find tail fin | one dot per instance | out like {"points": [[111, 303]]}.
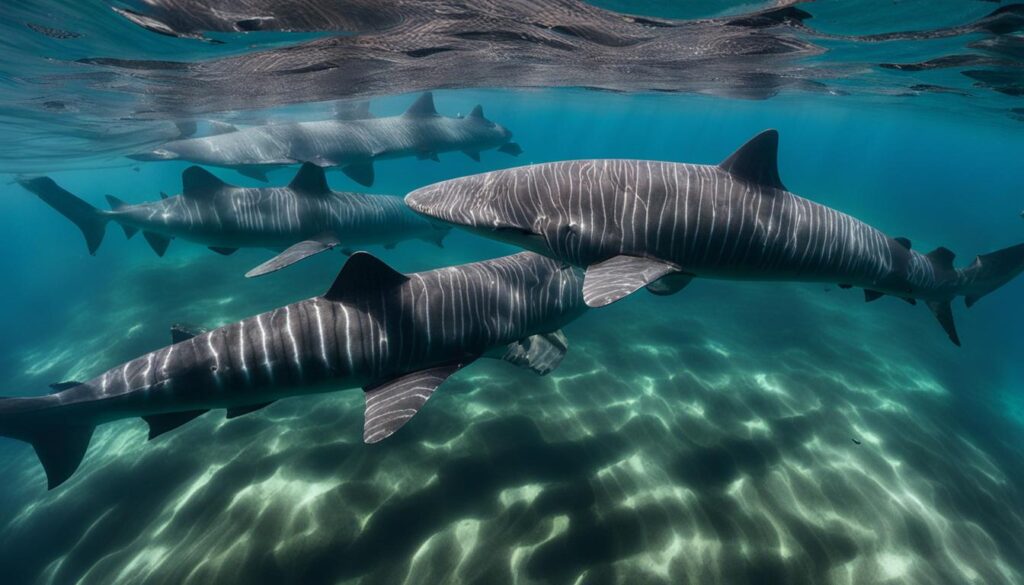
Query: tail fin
{"points": [[991, 271], [90, 220], [60, 447]]}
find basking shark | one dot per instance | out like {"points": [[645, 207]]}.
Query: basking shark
{"points": [[304, 218], [351, 144], [634, 223], [396, 336]]}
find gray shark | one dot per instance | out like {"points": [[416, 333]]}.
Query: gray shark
{"points": [[351, 144], [634, 223], [304, 218], [396, 336]]}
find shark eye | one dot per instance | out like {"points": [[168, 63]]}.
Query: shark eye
{"points": [[570, 229]]}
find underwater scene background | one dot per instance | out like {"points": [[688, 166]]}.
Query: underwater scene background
{"points": [[736, 432]]}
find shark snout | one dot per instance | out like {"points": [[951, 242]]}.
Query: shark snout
{"points": [[459, 202], [427, 201]]}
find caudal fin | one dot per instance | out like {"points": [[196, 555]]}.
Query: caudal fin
{"points": [[991, 271], [59, 446], [90, 220]]}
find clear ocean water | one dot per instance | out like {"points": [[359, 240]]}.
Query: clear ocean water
{"points": [[736, 432]]}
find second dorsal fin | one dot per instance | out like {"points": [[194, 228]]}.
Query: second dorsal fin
{"points": [[183, 332], [363, 272], [423, 106], [942, 258], [310, 179], [757, 161], [199, 182]]}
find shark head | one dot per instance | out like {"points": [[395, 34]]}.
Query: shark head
{"points": [[487, 205], [155, 155]]}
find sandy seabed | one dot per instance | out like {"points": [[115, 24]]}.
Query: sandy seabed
{"points": [[734, 433]]}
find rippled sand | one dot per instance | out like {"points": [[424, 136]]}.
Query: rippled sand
{"points": [[703, 438]]}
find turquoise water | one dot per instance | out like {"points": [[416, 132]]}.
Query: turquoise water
{"points": [[706, 437]]}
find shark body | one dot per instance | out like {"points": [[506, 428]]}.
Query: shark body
{"points": [[396, 336], [350, 144], [634, 223], [303, 218]]}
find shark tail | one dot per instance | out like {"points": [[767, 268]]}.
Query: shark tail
{"points": [[987, 273], [59, 445], [991, 271], [92, 221]]}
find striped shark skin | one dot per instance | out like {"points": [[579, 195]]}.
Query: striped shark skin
{"points": [[351, 144], [396, 336], [303, 218], [634, 224]]}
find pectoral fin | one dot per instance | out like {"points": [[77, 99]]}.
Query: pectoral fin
{"points": [[944, 313], [391, 404], [162, 423], [240, 410], [297, 252], [872, 295], [670, 284], [511, 149], [619, 276], [253, 173], [540, 353], [360, 173], [158, 242]]}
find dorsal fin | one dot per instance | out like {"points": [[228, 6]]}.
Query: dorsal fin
{"points": [[217, 127], [757, 161], [477, 112], [62, 386], [423, 106], [199, 182], [182, 332], [904, 242], [942, 258], [310, 179], [363, 272]]}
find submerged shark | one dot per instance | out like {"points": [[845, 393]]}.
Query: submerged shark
{"points": [[634, 223], [304, 218], [396, 336], [351, 144]]}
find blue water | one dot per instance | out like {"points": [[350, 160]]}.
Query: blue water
{"points": [[704, 437]]}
